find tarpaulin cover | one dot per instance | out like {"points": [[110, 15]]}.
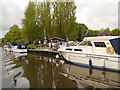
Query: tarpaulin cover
{"points": [[116, 45], [22, 46]]}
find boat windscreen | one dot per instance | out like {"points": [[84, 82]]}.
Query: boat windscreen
{"points": [[116, 45]]}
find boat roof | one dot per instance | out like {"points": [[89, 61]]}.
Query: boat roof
{"points": [[100, 38]]}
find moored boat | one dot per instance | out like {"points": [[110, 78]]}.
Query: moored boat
{"points": [[100, 52], [8, 48], [21, 48]]}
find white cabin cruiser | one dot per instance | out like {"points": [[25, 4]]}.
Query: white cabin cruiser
{"points": [[8, 48], [21, 48], [102, 52]]}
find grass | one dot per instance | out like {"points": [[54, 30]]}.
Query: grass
{"points": [[39, 47]]}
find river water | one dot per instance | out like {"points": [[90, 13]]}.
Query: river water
{"points": [[43, 70]]}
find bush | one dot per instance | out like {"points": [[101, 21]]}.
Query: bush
{"points": [[36, 42], [30, 47]]}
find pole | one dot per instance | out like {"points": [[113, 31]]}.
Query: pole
{"points": [[45, 38]]}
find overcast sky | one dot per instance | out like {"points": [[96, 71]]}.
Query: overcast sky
{"points": [[96, 14]]}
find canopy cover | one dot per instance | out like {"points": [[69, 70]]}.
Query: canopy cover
{"points": [[22, 46], [116, 45]]}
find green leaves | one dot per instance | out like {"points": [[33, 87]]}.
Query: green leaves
{"points": [[64, 19], [23, 41], [13, 35], [115, 32], [29, 23], [56, 18]]}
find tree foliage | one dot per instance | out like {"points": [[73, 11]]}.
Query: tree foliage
{"points": [[81, 30], [23, 41], [56, 18], [115, 32], [1, 42], [13, 35], [92, 33], [29, 22]]}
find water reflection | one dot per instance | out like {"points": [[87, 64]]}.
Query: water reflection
{"points": [[21, 56], [13, 71], [45, 71], [91, 77]]}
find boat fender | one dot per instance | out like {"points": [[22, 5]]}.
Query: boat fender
{"points": [[90, 63], [57, 56], [110, 49]]}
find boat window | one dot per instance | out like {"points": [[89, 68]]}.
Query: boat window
{"points": [[68, 49], [77, 49], [86, 43], [22, 46], [99, 44]]}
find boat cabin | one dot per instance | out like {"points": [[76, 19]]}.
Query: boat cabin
{"points": [[98, 45], [21, 46]]}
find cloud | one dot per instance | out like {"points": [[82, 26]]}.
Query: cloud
{"points": [[11, 14], [97, 14]]}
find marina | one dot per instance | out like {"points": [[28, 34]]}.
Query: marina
{"points": [[94, 52], [60, 44]]}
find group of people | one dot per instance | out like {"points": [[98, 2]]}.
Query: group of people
{"points": [[50, 43]]}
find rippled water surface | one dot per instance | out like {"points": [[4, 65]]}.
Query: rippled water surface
{"points": [[43, 70]]}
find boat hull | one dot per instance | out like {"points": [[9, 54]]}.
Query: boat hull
{"points": [[93, 61], [20, 50]]}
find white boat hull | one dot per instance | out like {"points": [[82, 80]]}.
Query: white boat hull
{"points": [[97, 61], [20, 50]]}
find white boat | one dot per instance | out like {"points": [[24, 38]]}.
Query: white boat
{"points": [[8, 48], [20, 48], [100, 52], [5, 47]]}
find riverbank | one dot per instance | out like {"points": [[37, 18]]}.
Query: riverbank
{"points": [[43, 50]]}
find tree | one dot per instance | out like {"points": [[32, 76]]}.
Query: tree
{"points": [[69, 21], [23, 41], [92, 33], [105, 32], [47, 18], [64, 19], [115, 32], [13, 35], [81, 30], [0, 42], [29, 23], [58, 18]]}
